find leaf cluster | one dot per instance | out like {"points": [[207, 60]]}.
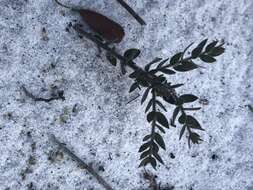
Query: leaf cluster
{"points": [[153, 78]]}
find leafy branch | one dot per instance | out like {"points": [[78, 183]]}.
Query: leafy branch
{"points": [[153, 79]]}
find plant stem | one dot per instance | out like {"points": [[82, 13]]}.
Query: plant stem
{"points": [[131, 11], [154, 120], [38, 99], [100, 180]]}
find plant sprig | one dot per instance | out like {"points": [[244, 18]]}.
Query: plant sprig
{"points": [[153, 79]]}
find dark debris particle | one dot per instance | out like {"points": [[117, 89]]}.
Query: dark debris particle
{"points": [[101, 168], [172, 156], [169, 187], [214, 157], [28, 134]]}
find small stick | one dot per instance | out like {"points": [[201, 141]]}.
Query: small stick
{"points": [[133, 99], [38, 99], [100, 180], [131, 11]]}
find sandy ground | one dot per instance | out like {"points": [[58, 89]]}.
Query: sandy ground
{"points": [[95, 120]]}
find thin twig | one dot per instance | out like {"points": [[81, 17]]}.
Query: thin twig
{"points": [[131, 11], [100, 180], [59, 96], [133, 99]]}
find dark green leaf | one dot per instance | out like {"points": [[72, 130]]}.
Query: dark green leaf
{"points": [[146, 137], [186, 66], [197, 51], [182, 132], [186, 49], [153, 71], [132, 54], [187, 98], [145, 95], [133, 87], [162, 63], [193, 123], [144, 146], [147, 67], [160, 128], [195, 138], [111, 59], [158, 157], [153, 162], [217, 51], [161, 105], [210, 46], [182, 119], [207, 58], [176, 58], [168, 71], [145, 154], [145, 162], [123, 67], [155, 147], [176, 85], [149, 105], [159, 140], [175, 113], [162, 119], [151, 116]]}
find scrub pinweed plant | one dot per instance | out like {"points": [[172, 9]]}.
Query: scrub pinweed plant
{"points": [[153, 79]]}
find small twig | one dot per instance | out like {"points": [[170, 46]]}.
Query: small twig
{"points": [[133, 99], [131, 11], [100, 180], [59, 96]]}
